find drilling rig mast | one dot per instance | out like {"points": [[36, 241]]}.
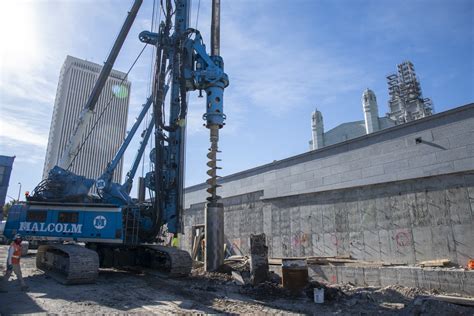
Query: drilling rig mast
{"points": [[118, 230]]}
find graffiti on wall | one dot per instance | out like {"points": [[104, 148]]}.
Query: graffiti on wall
{"points": [[300, 240], [403, 238]]}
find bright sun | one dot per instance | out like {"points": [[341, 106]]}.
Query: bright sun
{"points": [[20, 46]]}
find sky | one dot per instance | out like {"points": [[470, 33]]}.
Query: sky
{"points": [[283, 58]]}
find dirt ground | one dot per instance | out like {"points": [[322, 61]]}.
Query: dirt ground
{"points": [[152, 293]]}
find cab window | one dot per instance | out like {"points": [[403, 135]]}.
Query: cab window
{"points": [[68, 217], [36, 216]]}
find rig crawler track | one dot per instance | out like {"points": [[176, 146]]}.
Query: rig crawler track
{"points": [[74, 264], [68, 264], [176, 263]]}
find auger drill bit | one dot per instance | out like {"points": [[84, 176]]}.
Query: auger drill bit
{"points": [[212, 164], [214, 211]]}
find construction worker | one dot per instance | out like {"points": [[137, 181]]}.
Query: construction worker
{"points": [[13, 262]]}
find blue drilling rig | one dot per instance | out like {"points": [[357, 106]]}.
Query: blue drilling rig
{"points": [[117, 230]]}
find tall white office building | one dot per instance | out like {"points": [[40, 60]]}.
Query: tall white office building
{"points": [[76, 80]]}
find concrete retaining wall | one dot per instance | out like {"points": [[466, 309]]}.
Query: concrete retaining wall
{"points": [[393, 154], [399, 222]]}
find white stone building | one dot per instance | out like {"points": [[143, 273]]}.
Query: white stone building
{"points": [[406, 104], [371, 123]]}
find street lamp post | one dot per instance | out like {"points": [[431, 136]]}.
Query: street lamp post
{"points": [[19, 190]]}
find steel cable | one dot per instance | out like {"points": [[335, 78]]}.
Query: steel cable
{"points": [[105, 109]]}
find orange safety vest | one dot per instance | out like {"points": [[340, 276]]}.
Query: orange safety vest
{"points": [[16, 253]]}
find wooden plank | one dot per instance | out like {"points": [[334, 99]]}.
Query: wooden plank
{"points": [[435, 263], [289, 258], [454, 299], [236, 258], [388, 264], [351, 262], [333, 260], [274, 261], [329, 257], [237, 276], [195, 247]]}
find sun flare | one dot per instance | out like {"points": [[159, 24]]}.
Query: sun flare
{"points": [[20, 46]]}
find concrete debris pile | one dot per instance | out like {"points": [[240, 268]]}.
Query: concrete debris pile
{"points": [[422, 306], [212, 277], [331, 293], [394, 299], [129, 292], [266, 291], [389, 295], [289, 280], [238, 263]]}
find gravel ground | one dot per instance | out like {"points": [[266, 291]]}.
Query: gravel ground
{"points": [[119, 292]]}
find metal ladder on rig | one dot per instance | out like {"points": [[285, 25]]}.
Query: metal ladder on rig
{"points": [[132, 226]]}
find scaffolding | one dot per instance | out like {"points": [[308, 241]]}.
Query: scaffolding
{"points": [[406, 101]]}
